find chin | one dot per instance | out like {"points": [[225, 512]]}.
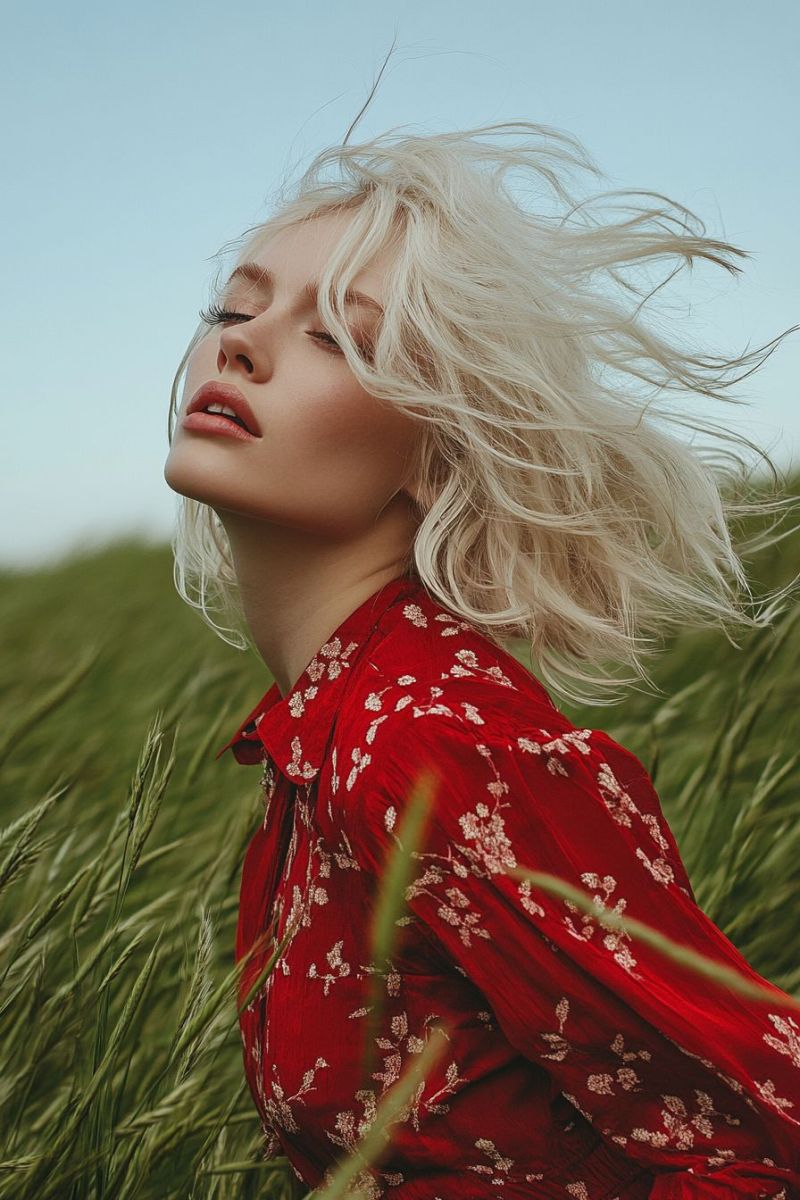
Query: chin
{"points": [[189, 479]]}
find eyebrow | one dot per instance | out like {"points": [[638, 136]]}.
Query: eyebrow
{"points": [[263, 278]]}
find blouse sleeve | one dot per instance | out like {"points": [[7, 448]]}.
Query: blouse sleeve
{"points": [[696, 1082]]}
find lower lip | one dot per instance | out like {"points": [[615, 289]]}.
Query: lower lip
{"points": [[203, 422]]}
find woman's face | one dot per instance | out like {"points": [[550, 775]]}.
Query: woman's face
{"points": [[329, 455]]}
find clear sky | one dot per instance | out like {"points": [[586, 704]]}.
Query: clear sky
{"points": [[139, 139]]}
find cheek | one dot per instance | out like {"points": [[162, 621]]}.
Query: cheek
{"points": [[344, 433]]}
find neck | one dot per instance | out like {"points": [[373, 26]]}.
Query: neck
{"points": [[297, 587]]}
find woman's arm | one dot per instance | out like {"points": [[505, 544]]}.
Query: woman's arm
{"points": [[694, 1081]]}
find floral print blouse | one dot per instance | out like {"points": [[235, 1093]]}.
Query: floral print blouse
{"points": [[580, 1063]]}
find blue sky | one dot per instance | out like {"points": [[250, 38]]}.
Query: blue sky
{"points": [[145, 137]]}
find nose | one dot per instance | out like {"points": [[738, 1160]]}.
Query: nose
{"points": [[244, 350], [223, 358]]}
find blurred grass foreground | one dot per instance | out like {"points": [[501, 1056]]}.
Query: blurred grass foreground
{"points": [[121, 843]]}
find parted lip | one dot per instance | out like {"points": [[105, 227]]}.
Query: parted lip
{"points": [[224, 393]]}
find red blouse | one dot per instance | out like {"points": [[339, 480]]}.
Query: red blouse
{"points": [[580, 1063]]}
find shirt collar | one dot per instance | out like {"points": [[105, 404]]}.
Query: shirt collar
{"points": [[295, 729]]}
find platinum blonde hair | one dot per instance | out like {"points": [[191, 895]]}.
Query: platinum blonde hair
{"points": [[557, 505]]}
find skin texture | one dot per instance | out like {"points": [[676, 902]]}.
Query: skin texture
{"points": [[319, 510]]}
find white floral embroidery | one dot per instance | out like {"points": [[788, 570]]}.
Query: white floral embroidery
{"points": [[278, 1107], [414, 614], [618, 1046], [767, 1092], [373, 727], [607, 1085], [294, 768], [296, 701], [267, 1123], [351, 1128], [651, 821], [613, 939], [468, 664], [361, 760], [365, 1185], [434, 708], [452, 625], [334, 780], [455, 911], [467, 923], [578, 1189], [343, 856], [300, 912], [499, 1163], [659, 868], [492, 850], [617, 800], [269, 779], [681, 1126], [391, 978], [621, 806], [526, 901], [339, 968], [721, 1158], [563, 744], [336, 660], [472, 714], [557, 1041], [787, 1026], [303, 805]]}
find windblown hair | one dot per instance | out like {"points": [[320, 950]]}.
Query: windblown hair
{"points": [[556, 504]]}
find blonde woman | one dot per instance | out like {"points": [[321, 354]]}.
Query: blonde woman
{"points": [[420, 418]]}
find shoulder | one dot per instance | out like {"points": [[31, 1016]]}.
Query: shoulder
{"points": [[430, 643], [430, 667], [504, 765], [436, 686]]}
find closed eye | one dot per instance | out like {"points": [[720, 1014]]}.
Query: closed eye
{"points": [[215, 315], [322, 336]]}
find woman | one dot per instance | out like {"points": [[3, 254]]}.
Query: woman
{"points": [[431, 435]]}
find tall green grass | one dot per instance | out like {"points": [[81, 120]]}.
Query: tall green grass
{"points": [[121, 843]]}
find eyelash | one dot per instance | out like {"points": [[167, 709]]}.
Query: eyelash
{"points": [[216, 315]]}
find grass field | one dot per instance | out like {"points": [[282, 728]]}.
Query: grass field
{"points": [[122, 842]]}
